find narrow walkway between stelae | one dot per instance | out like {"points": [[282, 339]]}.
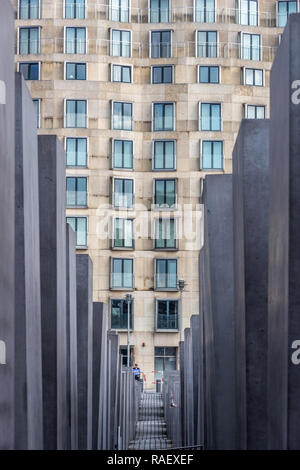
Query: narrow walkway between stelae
{"points": [[151, 430]]}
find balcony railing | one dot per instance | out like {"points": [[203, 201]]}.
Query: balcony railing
{"points": [[166, 282], [167, 323], [98, 11]]}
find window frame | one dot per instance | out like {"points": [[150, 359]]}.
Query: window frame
{"points": [[164, 103], [200, 116], [24, 19], [253, 69], [166, 330], [277, 12], [159, 208], [209, 67], [239, 14], [131, 314], [162, 66], [171, 31], [112, 258], [246, 106], [204, 22], [75, 79], [75, 17], [132, 115], [39, 40], [119, 20], [38, 62], [38, 100], [112, 165], [65, 40], [165, 289], [207, 44], [111, 42], [160, 22], [80, 247], [242, 34], [77, 206], [175, 221], [113, 238], [153, 155], [87, 151], [120, 65], [201, 155], [86, 115], [112, 192]]}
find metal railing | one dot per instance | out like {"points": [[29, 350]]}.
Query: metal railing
{"points": [[58, 9], [167, 323], [143, 50]]}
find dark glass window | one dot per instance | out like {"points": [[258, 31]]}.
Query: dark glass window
{"points": [[121, 73], [29, 70], [165, 193], [75, 71], [167, 315], [79, 225], [76, 191], [162, 74], [76, 150], [209, 74]]}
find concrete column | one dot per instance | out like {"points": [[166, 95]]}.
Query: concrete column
{"points": [[218, 301], [284, 246], [52, 197], [28, 353], [251, 224], [197, 358], [114, 346], [99, 363], [7, 198], [72, 339], [84, 269]]}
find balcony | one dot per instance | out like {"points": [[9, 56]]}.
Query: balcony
{"points": [[97, 11], [167, 323]]}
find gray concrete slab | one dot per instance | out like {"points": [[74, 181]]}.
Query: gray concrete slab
{"points": [[219, 327], [7, 190], [84, 269], [284, 246], [99, 363], [28, 353], [113, 354], [72, 339], [52, 195], [250, 204], [197, 364]]}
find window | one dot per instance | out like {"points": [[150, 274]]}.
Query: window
{"points": [[30, 70], [209, 74], [119, 316], [79, 225], [76, 113], [166, 274], [165, 359], [162, 74], [121, 73], [120, 43], [37, 106], [122, 273], [164, 155], [161, 45], [75, 71], [205, 11], [167, 315], [250, 46], [284, 10], [122, 193], [248, 12], [123, 352], [254, 77], [255, 112], [122, 153], [165, 234], [75, 9], [76, 151], [119, 10], [212, 155], [122, 116], [29, 41], [207, 44], [165, 194], [159, 11], [29, 9], [123, 233], [163, 117], [75, 41], [76, 192], [210, 117]]}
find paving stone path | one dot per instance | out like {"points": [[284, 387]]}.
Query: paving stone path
{"points": [[151, 431]]}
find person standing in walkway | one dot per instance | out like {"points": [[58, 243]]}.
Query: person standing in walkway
{"points": [[137, 372]]}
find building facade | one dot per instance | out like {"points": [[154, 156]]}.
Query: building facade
{"points": [[147, 97]]}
